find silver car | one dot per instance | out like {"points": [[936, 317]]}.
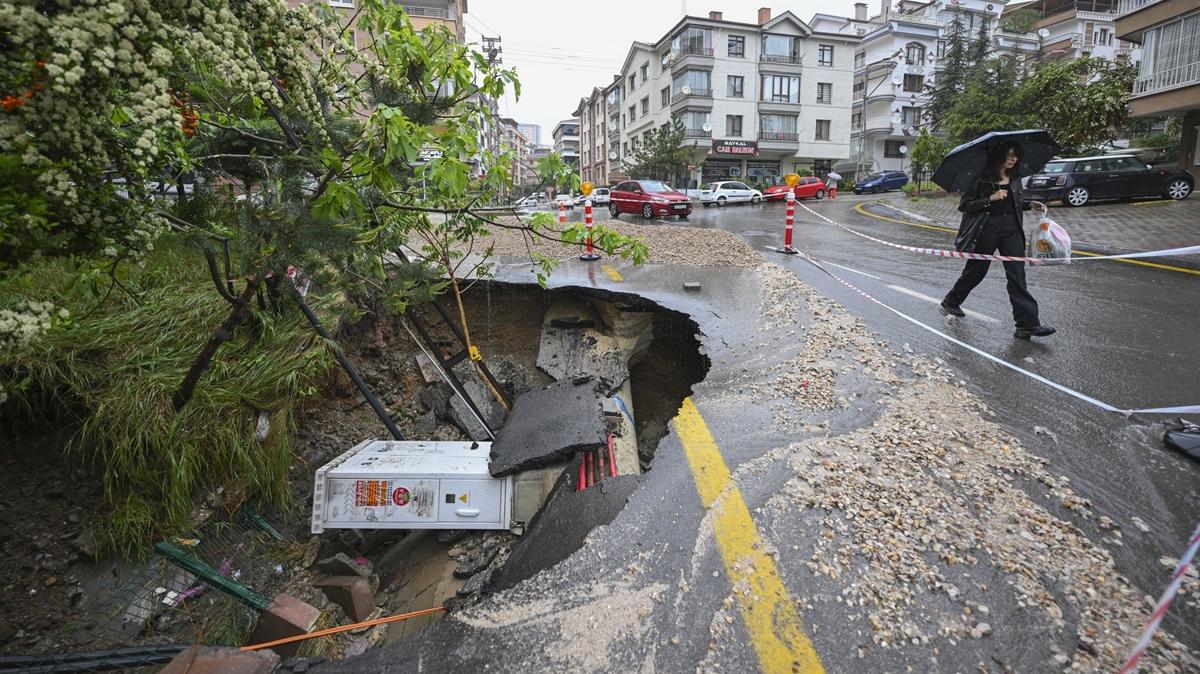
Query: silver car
{"points": [[729, 192]]}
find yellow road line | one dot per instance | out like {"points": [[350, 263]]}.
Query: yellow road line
{"points": [[769, 613], [1141, 263], [612, 272]]}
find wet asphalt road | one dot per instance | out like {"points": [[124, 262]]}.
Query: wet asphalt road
{"points": [[651, 587]]}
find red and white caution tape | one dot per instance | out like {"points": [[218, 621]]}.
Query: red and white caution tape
{"points": [[1184, 409], [941, 252], [1164, 603]]}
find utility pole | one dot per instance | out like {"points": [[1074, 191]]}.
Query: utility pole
{"points": [[491, 47]]}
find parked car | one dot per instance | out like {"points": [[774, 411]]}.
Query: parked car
{"points": [[809, 187], [565, 199], [729, 192], [884, 181], [599, 197], [1082, 180], [533, 199], [648, 197]]}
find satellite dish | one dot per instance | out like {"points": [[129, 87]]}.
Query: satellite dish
{"points": [[706, 127], [686, 91], [897, 80], [1044, 33], [613, 155], [896, 118], [903, 149]]}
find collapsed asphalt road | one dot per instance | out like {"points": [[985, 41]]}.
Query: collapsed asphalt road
{"points": [[831, 501]]}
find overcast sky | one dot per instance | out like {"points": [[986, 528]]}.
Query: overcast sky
{"points": [[562, 49]]}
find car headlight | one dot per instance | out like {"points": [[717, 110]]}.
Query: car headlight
{"points": [[1060, 181], [660, 200]]}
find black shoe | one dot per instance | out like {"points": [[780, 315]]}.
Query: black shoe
{"points": [[951, 310], [1034, 331]]}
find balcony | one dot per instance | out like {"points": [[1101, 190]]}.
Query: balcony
{"points": [[879, 124], [694, 49], [1130, 6], [1173, 78], [779, 136], [442, 13], [779, 104], [694, 98], [696, 133], [692, 56], [779, 58], [1136, 16]]}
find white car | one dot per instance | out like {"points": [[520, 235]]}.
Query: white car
{"points": [[533, 200], [729, 192], [564, 199], [599, 197]]}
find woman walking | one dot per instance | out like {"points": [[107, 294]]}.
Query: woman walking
{"points": [[992, 221]]}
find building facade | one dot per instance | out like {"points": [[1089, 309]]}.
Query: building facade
{"points": [[522, 173], [1079, 28], [566, 140], [532, 132], [757, 100], [1168, 81], [594, 137]]}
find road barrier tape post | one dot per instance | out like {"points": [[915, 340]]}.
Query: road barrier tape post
{"points": [[590, 255], [562, 214], [1164, 603], [791, 179]]}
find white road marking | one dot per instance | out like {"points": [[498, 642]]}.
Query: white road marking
{"points": [[831, 264], [927, 298]]}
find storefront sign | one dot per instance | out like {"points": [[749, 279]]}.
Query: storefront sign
{"points": [[735, 147]]}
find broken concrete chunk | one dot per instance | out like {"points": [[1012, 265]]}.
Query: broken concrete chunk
{"points": [[428, 370], [461, 413], [691, 286], [569, 348], [549, 425], [342, 565], [218, 660], [352, 593], [285, 616], [478, 560], [633, 330]]}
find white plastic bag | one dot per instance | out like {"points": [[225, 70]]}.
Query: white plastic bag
{"points": [[1049, 241]]}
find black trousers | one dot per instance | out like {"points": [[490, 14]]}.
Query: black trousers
{"points": [[1009, 241]]}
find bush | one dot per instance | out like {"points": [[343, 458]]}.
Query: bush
{"points": [[913, 188], [116, 366]]}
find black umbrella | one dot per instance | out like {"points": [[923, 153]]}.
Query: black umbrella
{"points": [[963, 165]]}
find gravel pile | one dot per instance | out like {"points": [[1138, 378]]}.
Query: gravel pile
{"points": [[668, 244]]}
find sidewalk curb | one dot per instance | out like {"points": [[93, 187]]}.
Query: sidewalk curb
{"points": [[1181, 262]]}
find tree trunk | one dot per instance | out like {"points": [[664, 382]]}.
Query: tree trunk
{"points": [[241, 307]]}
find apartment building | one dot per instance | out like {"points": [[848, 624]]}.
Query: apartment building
{"points": [[1168, 81], [523, 172], [448, 13], [593, 116], [896, 63], [757, 100], [1079, 28], [532, 133], [566, 140]]}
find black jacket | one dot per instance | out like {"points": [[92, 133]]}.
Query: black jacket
{"points": [[976, 206]]}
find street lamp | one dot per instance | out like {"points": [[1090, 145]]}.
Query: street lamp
{"points": [[862, 132]]}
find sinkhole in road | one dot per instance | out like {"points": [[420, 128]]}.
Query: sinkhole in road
{"points": [[663, 352]]}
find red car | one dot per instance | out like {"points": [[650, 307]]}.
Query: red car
{"points": [[809, 187], [648, 197]]}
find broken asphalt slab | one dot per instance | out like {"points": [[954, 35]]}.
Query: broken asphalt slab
{"points": [[548, 425]]}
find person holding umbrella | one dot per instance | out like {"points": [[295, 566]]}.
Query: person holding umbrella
{"points": [[992, 217]]}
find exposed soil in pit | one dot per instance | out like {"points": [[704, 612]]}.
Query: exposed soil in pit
{"points": [[45, 554]]}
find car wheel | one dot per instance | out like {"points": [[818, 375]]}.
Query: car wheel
{"points": [[612, 210], [755, 199], [705, 204], [1179, 189], [720, 202], [1077, 196], [647, 211], [820, 194]]}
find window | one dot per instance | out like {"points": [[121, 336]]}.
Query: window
{"points": [[856, 120], [860, 59], [693, 123], [698, 83], [666, 96], [825, 55], [859, 87], [780, 89], [779, 48], [342, 3], [941, 48], [891, 149], [824, 92], [822, 129], [733, 126], [632, 112], [914, 83], [692, 40], [645, 106], [632, 82], [737, 46], [912, 116], [1124, 164], [914, 53], [646, 72], [624, 148], [777, 127], [1089, 166], [822, 166], [737, 86]]}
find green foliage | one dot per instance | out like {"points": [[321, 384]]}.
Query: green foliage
{"points": [[912, 189], [991, 101], [662, 155], [927, 152], [1082, 102], [952, 78], [116, 365], [1023, 20]]}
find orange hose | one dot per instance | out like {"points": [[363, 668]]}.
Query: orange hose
{"points": [[342, 628]]}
